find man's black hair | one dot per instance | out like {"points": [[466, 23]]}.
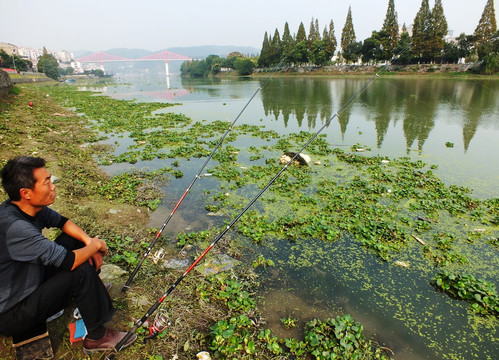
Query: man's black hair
{"points": [[18, 174]]}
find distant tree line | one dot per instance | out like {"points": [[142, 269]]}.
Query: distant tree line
{"points": [[426, 45], [215, 64]]}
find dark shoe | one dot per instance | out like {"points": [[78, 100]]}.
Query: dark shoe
{"points": [[37, 348], [108, 342]]}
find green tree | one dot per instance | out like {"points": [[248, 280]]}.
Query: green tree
{"points": [[299, 55], [487, 25], [438, 29], [464, 45], [348, 35], [313, 34], [244, 66], [66, 71], [421, 31], [353, 52], [301, 35], [450, 53], [275, 52], [14, 62], [402, 52], [391, 29], [48, 65], [318, 54], [287, 43], [372, 48], [330, 40], [231, 58], [196, 68], [263, 60], [214, 63], [488, 53]]}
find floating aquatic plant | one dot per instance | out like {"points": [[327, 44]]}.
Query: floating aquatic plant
{"points": [[481, 294]]}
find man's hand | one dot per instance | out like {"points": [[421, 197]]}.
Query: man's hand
{"points": [[96, 260], [102, 245], [91, 252]]}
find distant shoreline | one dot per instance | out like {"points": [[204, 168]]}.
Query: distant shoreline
{"points": [[438, 70]]}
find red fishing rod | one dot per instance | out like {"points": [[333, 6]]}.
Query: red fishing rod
{"points": [[156, 305], [196, 177]]}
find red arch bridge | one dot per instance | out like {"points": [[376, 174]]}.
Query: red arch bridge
{"points": [[165, 56]]}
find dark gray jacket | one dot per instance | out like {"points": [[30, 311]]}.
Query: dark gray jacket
{"points": [[25, 252]]}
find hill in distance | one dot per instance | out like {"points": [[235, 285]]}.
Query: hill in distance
{"points": [[201, 52], [196, 52]]}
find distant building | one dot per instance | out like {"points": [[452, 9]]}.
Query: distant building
{"points": [[77, 66], [65, 56], [449, 38], [62, 56]]}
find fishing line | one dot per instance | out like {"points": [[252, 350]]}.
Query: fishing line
{"points": [[155, 306], [158, 303], [198, 175]]}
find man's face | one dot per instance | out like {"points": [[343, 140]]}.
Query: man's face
{"points": [[43, 193]]}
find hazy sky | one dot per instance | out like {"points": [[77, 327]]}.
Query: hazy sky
{"points": [[98, 25]]}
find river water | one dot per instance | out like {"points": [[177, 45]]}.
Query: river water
{"points": [[450, 123]]}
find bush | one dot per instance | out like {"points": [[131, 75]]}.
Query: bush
{"points": [[490, 64], [244, 66]]}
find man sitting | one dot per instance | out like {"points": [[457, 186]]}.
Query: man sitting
{"points": [[40, 277]]}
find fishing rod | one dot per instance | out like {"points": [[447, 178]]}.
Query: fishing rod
{"points": [[198, 175], [158, 303]]}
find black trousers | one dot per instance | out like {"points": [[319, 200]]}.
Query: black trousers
{"points": [[83, 285]]}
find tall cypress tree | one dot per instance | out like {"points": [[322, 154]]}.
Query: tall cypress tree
{"points": [[487, 25], [300, 51], [301, 35], [330, 40], [438, 31], [275, 48], [390, 29], [421, 32], [348, 33], [313, 34], [263, 60], [287, 42]]}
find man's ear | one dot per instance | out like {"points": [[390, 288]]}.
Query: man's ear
{"points": [[25, 193]]}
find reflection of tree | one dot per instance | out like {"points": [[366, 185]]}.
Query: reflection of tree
{"points": [[382, 100], [479, 98], [202, 85], [415, 101], [304, 98], [347, 91], [420, 111]]}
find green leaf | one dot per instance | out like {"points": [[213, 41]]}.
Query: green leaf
{"points": [[250, 348]]}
